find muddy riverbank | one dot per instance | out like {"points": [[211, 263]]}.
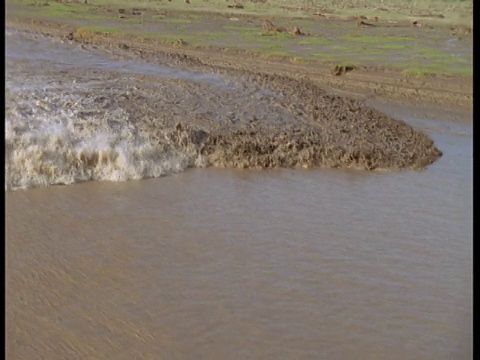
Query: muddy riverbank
{"points": [[171, 105], [377, 81]]}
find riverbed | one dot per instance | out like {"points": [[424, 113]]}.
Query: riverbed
{"points": [[204, 262]]}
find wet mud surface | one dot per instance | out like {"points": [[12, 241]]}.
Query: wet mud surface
{"points": [[211, 117], [372, 79]]}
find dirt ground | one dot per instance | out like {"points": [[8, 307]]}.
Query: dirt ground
{"points": [[379, 78]]}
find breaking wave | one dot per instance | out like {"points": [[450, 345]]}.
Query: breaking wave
{"points": [[49, 141]]}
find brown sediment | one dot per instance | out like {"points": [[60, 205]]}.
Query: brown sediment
{"points": [[321, 131], [236, 6], [269, 27], [342, 69], [296, 31], [361, 23], [461, 30], [339, 133], [282, 121]]}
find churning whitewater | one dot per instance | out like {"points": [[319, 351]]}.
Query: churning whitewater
{"points": [[52, 138]]}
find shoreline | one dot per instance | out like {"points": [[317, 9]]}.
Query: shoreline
{"points": [[442, 94], [273, 116]]}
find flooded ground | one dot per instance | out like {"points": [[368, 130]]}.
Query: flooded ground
{"points": [[229, 263], [235, 264], [86, 116]]}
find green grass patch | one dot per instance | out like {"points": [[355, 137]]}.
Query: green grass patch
{"points": [[423, 50], [304, 22], [272, 47], [210, 35], [300, 60], [263, 38], [274, 54], [281, 53], [452, 11], [326, 57], [101, 29], [164, 37], [193, 17], [278, 36], [461, 72], [348, 64], [393, 47], [315, 40], [255, 37], [61, 11], [238, 28], [428, 52], [377, 39], [177, 20], [418, 72]]}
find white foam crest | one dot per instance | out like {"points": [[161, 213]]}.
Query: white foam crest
{"points": [[34, 161], [47, 145]]}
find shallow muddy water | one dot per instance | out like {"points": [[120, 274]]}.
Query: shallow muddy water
{"points": [[35, 48], [235, 264]]}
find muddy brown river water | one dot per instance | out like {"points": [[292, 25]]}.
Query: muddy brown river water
{"points": [[210, 263]]}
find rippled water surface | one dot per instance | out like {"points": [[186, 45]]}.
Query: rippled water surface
{"points": [[231, 264]]}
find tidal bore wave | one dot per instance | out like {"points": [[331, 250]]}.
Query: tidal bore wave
{"points": [[75, 122], [47, 142]]}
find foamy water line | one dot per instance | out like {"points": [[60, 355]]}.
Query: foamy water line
{"points": [[47, 142], [54, 134]]}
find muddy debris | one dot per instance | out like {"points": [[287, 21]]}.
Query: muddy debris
{"points": [[82, 35], [357, 17], [319, 14], [180, 43], [362, 23], [323, 131], [269, 27], [461, 30], [339, 70], [236, 6], [296, 31], [433, 16]]}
